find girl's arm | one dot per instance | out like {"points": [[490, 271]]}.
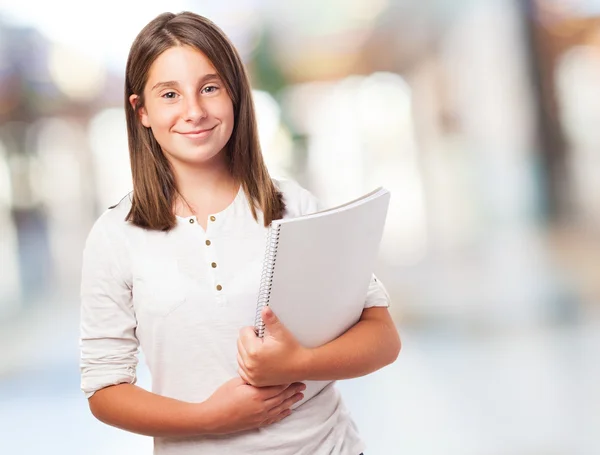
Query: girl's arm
{"points": [[134, 409], [235, 406], [369, 345], [109, 348]]}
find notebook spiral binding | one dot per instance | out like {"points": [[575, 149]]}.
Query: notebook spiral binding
{"points": [[266, 278]]}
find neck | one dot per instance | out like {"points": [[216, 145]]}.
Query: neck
{"points": [[201, 187]]}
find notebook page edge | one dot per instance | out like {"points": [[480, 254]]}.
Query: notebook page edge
{"points": [[378, 192]]}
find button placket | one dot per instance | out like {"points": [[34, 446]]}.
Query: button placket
{"points": [[213, 263]]}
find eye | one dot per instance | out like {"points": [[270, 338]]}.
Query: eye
{"points": [[169, 95], [210, 89]]}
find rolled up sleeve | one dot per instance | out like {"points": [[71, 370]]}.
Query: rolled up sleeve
{"points": [[377, 294], [108, 344]]}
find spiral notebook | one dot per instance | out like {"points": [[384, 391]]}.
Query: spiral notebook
{"points": [[317, 269]]}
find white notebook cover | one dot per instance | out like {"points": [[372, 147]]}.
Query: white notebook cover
{"points": [[323, 268]]}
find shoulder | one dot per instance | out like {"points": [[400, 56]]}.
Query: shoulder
{"points": [[298, 200], [111, 223], [107, 248]]}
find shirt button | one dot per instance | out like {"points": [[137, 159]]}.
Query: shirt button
{"points": [[212, 218], [214, 265], [191, 221], [219, 287], [207, 243]]}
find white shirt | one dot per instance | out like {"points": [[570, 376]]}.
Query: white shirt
{"points": [[182, 297]]}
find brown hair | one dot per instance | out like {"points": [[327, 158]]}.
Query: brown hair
{"points": [[154, 185]]}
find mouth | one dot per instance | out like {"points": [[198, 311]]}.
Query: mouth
{"points": [[198, 134]]}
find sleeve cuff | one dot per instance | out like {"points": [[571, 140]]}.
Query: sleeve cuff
{"points": [[90, 385], [377, 295]]}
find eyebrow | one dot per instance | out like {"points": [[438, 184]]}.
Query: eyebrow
{"points": [[171, 84]]}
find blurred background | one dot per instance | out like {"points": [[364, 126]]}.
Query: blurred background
{"points": [[480, 116]]}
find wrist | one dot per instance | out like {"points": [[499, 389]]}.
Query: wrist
{"points": [[305, 363], [204, 418]]}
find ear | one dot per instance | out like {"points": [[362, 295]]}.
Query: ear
{"points": [[142, 113]]}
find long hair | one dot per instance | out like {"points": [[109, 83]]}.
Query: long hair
{"points": [[154, 185]]}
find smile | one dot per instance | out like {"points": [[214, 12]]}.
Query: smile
{"points": [[198, 134]]}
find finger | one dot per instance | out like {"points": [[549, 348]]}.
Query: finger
{"points": [[272, 391], [244, 369], [272, 324], [242, 348], [286, 404], [240, 361], [248, 336], [281, 397], [298, 384], [243, 375], [282, 415], [296, 387], [248, 343]]}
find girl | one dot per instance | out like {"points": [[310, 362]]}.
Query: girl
{"points": [[174, 268]]}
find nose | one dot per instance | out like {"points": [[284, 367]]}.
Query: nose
{"points": [[194, 110]]}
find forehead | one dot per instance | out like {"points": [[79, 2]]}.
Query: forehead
{"points": [[180, 63]]}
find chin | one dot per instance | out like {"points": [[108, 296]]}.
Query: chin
{"points": [[199, 157]]}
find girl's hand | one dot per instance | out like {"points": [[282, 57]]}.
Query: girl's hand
{"points": [[239, 406], [277, 358]]}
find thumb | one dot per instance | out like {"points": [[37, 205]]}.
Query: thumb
{"points": [[272, 323]]}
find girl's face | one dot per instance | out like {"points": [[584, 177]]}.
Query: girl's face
{"points": [[187, 107]]}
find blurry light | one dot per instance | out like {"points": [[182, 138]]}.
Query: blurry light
{"points": [[267, 113], [76, 75], [386, 123], [108, 140], [58, 143], [553, 12], [578, 92], [275, 142], [577, 74], [241, 24], [299, 102], [23, 169], [5, 187], [59, 182], [365, 10], [107, 31], [10, 97], [9, 259], [361, 135], [336, 148], [385, 105], [310, 19]]}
